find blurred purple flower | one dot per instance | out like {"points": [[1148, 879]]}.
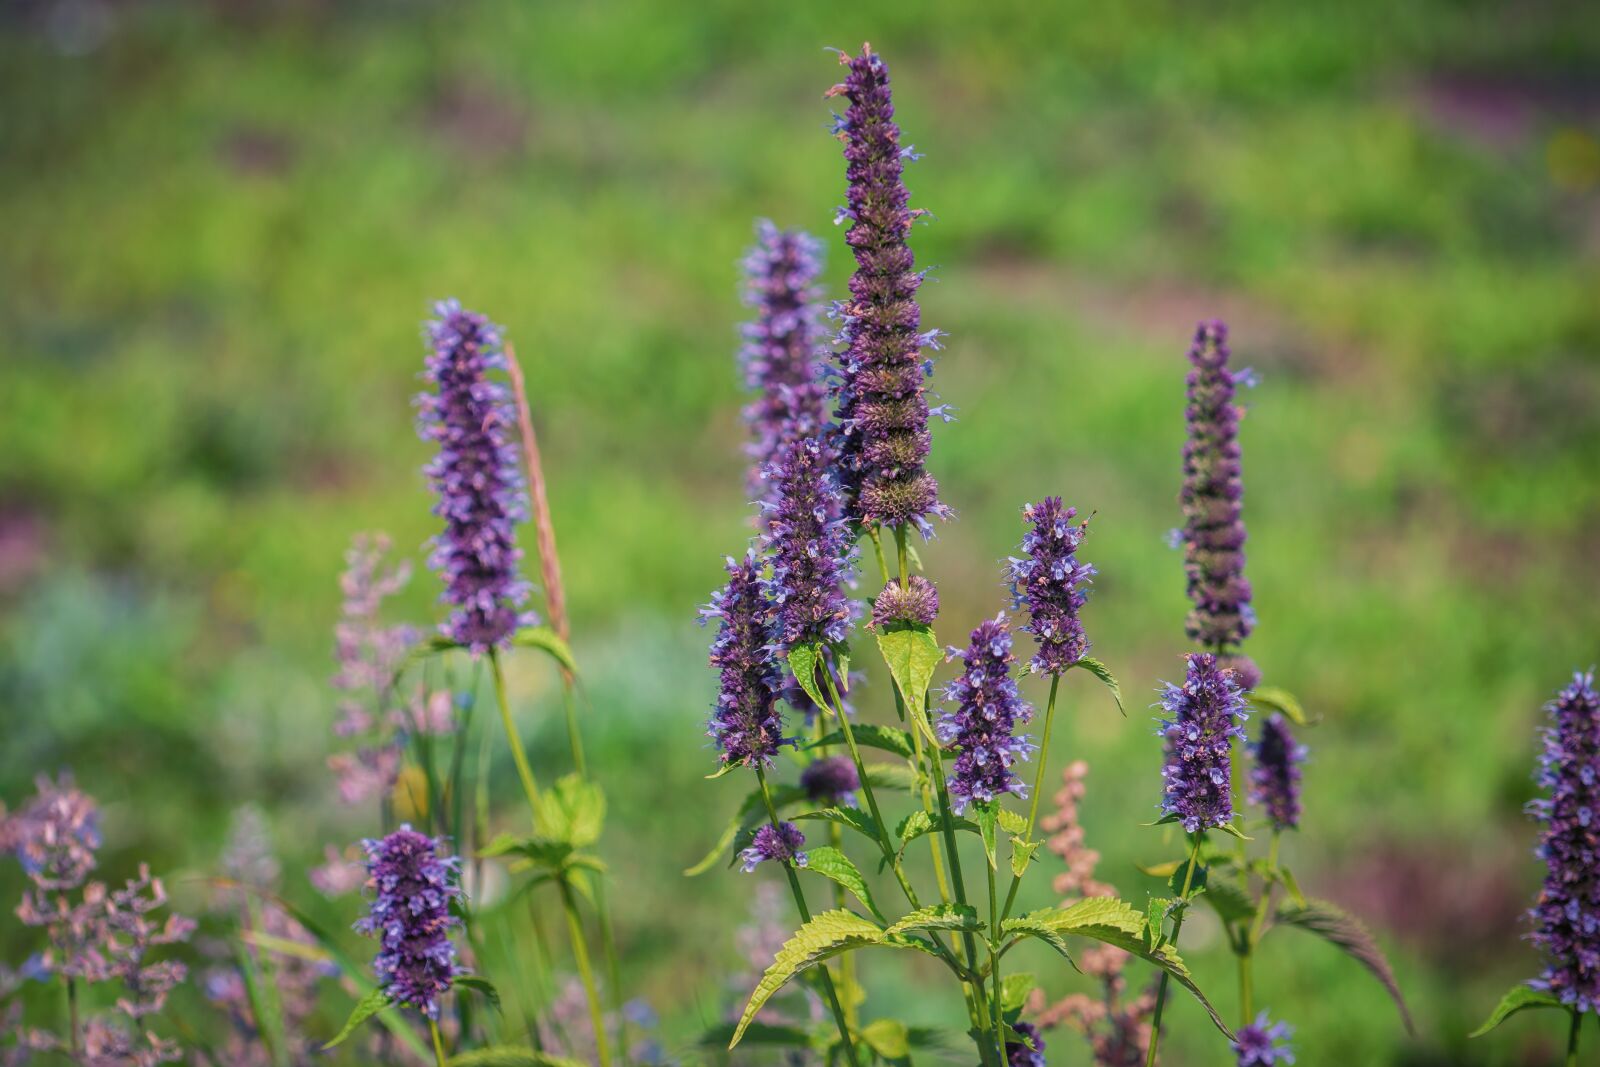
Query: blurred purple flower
{"points": [[415, 883], [1275, 779], [831, 781], [781, 843], [746, 725], [1029, 1053], [1259, 1044]]}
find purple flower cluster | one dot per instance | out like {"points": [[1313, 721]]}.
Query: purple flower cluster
{"points": [[1049, 582], [1213, 531], [783, 349], [1029, 1053], [882, 411], [1275, 779], [831, 781], [813, 556], [56, 835], [747, 726], [916, 602], [988, 709], [476, 478], [781, 843], [1206, 711], [410, 915], [1259, 1044], [1567, 914]]}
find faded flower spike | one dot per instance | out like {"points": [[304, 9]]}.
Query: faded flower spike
{"points": [[1275, 779], [747, 726], [410, 915], [476, 478], [1567, 915], [1213, 531], [783, 349], [988, 709], [1049, 583], [781, 843], [813, 556], [915, 602], [1206, 711], [1258, 1044], [831, 782], [881, 410]]}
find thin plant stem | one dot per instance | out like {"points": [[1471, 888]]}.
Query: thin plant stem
{"points": [[994, 967], [877, 548], [1177, 928], [519, 755], [1573, 1030], [847, 962], [959, 885], [1251, 936], [805, 917], [72, 1016], [608, 946], [1038, 784], [580, 954], [574, 735], [438, 1041]]}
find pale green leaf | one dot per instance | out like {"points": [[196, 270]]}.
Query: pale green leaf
{"points": [[985, 815], [1520, 998], [833, 864], [546, 640], [1014, 990], [368, 1006], [889, 1038], [1102, 672], [869, 735], [938, 917], [825, 936], [1274, 699], [1021, 855], [573, 811], [854, 818], [912, 653], [804, 660]]}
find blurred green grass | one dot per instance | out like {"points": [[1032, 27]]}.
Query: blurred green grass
{"points": [[224, 224]]}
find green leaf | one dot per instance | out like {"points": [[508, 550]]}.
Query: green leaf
{"points": [[803, 663], [868, 735], [1102, 672], [1274, 699], [479, 984], [1014, 990], [919, 822], [1179, 876], [1162, 870], [855, 818], [1234, 831], [898, 776], [1230, 902], [368, 1006], [889, 1038], [1344, 931], [825, 936], [1022, 855], [1520, 998], [510, 1056], [573, 811], [1292, 886], [831, 863], [1010, 821], [758, 1034], [544, 853], [1156, 911], [985, 816], [750, 810], [547, 640], [912, 653], [938, 917]]}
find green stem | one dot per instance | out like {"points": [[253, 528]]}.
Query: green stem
{"points": [[608, 946], [519, 755], [1177, 928], [877, 548], [1251, 936], [438, 1041], [574, 735], [1572, 1037], [72, 1016], [1038, 784], [805, 917], [580, 953], [959, 885], [900, 547], [994, 967]]}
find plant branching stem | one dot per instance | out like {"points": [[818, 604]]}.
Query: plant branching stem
{"points": [[1038, 785], [1573, 1030], [994, 967], [580, 953], [1177, 928], [519, 755], [438, 1042]]}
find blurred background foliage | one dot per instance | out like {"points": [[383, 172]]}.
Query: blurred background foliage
{"points": [[224, 222]]}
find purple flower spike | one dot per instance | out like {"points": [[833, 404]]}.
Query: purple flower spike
{"points": [[781, 843], [746, 725], [1567, 915], [56, 835], [1275, 779], [1049, 582], [1213, 531], [1259, 1045], [882, 411], [831, 782], [1206, 711], [915, 602], [1030, 1054], [410, 915], [813, 556], [988, 709], [476, 478], [783, 352]]}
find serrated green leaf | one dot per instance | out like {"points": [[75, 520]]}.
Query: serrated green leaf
{"points": [[1274, 699], [510, 1056], [938, 917], [1102, 672], [825, 936], [919, 822], [986, 815], [1344, 931], [1014, 990], [803, 663], [1010, 821], [1230, 902], [1156, 911], [573, 811], [1520, 998], [912, 653], [541, 852], [833, 864], [1021, 855], [368, 1006], [869, 735], [479, 984], [1233, 831], [889, 1038], [854, 818]]}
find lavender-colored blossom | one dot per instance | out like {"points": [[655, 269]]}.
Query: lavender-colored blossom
{"points": [[1260, 1044], [476, 478], [746, 725], [916, 602], [1029, 1053], [783, 349], [415, 882], [781, 843], [1213, 531], [55, 836], [1048, 581], [1567, 915], [988, 709], [1206, 711], [1275, 779], [881, 410], [831, 781], [813, 556]]}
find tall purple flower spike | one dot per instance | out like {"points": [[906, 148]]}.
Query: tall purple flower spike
{"points": [[1049, 582], [1213, 529], [746, 726], [881, 410], [1206, 712], [1275, 779], [1567, 915], [410, 916], [783, 355], [476, 478], [813, 556], [988, 709]]}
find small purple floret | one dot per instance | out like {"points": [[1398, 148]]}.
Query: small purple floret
{"points": [[1206, 711], [415, 883], [782, 844], [1259, 1044], [1275, 779], [988, 709], [1049, 582], [747, 726]]}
